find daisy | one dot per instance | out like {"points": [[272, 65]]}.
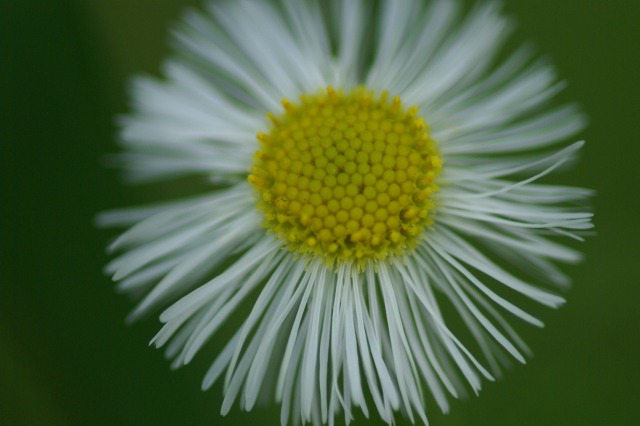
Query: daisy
{"points": [[372, 184]]}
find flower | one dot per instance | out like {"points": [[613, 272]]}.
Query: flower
{"points": [[391, 191]]}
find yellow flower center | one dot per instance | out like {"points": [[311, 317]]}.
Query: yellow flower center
{"points": [[346, 176]]}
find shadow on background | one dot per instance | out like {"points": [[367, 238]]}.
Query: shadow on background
{"points": [[66, 356]]}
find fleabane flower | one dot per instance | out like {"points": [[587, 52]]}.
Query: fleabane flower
{"points": [[371, 178]]}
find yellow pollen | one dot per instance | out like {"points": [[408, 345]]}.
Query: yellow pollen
{"points": [[348, 177]]}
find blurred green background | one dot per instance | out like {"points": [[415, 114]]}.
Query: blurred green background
{"points": [[66, 356]]}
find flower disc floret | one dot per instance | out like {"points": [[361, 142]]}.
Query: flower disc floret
{"points": [[346, 176]]}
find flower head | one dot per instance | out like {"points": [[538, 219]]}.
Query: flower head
{"points": [[372, 173]]}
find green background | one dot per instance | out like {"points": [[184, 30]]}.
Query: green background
{"points": [[66, 356]]}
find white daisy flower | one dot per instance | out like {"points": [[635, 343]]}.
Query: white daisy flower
{"points": [[391, 191]]}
